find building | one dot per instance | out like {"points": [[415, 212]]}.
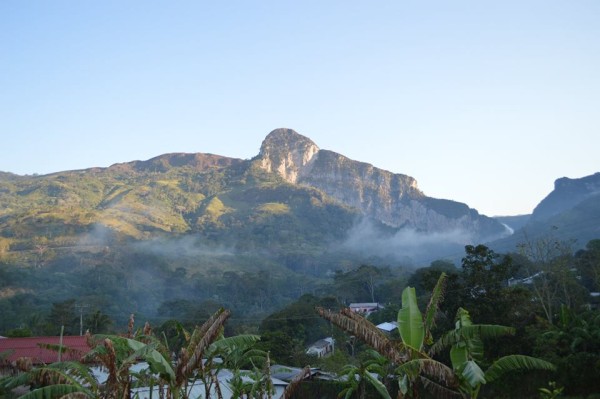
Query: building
{"points": [[365, 308], [31, 351], [388, 327], [322, 347]]}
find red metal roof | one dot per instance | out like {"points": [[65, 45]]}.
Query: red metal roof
{"points": [[29, 348]]}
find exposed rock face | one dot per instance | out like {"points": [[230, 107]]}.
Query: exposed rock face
{"points": [[569, 213], [567, 194], [287, 153], [393, 199]]}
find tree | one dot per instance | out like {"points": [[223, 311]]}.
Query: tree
{"points": [[573, 344], [36, 323], [551, 274], [360, 284], [484, 270], [285, 333], [63, 314], [588, 265], [19, 332], [98, 322], [484, 287]]}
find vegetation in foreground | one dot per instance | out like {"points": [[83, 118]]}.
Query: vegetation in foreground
{"points": [[552, 318]]}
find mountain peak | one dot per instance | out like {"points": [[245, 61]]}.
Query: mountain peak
{"points": [[286, 139], [287, 153], [567, 193]]}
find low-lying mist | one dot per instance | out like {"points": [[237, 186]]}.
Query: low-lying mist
{"points": [[369, 239], [186, 246]]}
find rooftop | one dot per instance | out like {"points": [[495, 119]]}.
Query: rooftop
{"points": [[36, 348]]}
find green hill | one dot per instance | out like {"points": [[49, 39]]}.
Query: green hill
{"points": [[132, 236]]}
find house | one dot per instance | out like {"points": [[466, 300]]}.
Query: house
{"points": [[388, 326], [365, 308], [527, 280], [322, 347], [289, 373]]}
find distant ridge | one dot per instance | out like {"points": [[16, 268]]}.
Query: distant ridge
{"points": [[570, 212], [567, 194], [196, 161]]}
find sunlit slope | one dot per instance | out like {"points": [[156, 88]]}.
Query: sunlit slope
{"points": [[222, 200]]}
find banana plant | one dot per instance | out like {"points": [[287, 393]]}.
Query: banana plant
{"points": [[415, 332], [117, 354], [408, 355], [466, 354], [56, 380], [356, 378]]}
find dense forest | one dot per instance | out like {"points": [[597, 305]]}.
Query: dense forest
{"points": [[546, 294]]}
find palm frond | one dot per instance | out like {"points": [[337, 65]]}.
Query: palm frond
{"points": [[109, 360], [378, 385], [439, 391], [439, 371], [157, 362], [467, 332], [80, 372], [410, 320], [473, 374], [430, 367], [55, 391], [59, 348], [63, 373], [200, 331], [211, 330], [437, 296], [365, 331], [244, 341], [5, 354], [515, 363], [293, 385]]}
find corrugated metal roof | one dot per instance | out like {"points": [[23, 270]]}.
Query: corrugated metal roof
{"points": [[30, 348], [388, 326]]}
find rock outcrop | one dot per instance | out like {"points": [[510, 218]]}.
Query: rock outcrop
{"points": [[567, 194], [569, 213], [393, 199], [288, 154]]}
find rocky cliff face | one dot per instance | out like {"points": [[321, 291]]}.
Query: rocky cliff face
{"points": [[288, 154], [569, 213], [567, 194], [393, 199]]}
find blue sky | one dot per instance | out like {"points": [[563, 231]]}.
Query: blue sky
{"points": [[483, 102]]}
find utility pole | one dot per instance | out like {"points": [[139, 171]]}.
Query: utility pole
{"points": [[81, 307]]}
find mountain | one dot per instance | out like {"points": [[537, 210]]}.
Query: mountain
{"points": [[567, 194], [392, 199], [291, 185], [249, 234], [571, 212]]}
